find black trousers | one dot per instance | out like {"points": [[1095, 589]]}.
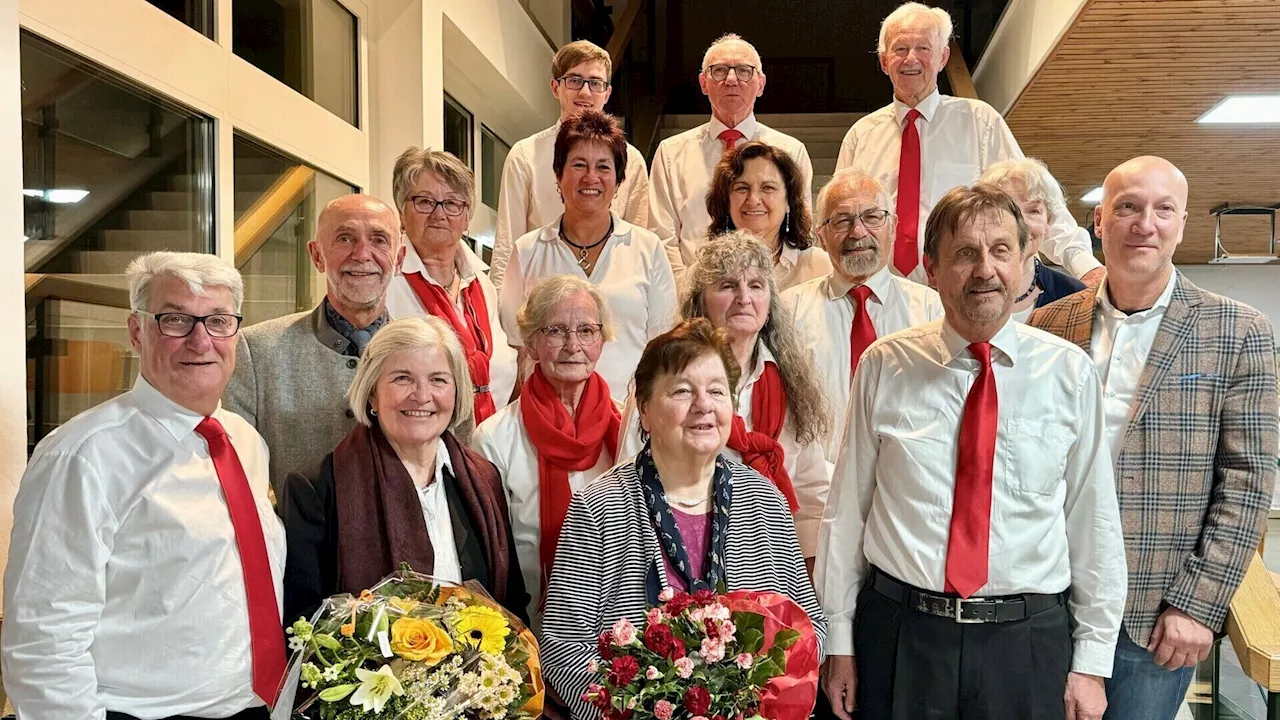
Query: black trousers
{"points": [[916, 666], [258, 713]]}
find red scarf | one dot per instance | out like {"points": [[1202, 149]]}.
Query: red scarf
{"points": [[563, 444], [476, 336], [760, 448]]}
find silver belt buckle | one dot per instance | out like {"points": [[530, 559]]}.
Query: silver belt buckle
{"points": [[960, 607]]}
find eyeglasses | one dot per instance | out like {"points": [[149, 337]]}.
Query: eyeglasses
{"points": [[426, 205], [573, 82], [180, 325], [558, 335], [720, 73], [871, 220]]}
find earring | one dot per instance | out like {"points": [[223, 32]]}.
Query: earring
{"points": [[373, 412], [786, 223]]}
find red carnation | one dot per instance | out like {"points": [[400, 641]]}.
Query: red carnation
{"points": [[624, 668], [697, 700], [712, 628], [604, 645], [660, 639], [602, 700], [679, 603], [704, 597]]}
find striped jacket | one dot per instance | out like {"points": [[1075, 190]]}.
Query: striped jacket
{"points": [[1198, 458], [608, 553]]}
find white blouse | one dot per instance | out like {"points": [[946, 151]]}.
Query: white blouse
{"points": [[796, 266], [435, 511], [632, 272]]}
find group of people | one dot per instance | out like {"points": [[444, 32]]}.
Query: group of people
{"points": [[998, 489]]}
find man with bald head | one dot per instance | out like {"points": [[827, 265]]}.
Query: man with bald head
{"points": [[732, 78], [293, 372], [1189, 394]]}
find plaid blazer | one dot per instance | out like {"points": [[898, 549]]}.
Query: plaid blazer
{"points": [[1198, 458]]}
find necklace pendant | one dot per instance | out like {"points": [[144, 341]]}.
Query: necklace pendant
{"points": [[582, 260]]}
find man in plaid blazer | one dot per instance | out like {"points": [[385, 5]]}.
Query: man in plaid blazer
{"points": [[1189, 386]]}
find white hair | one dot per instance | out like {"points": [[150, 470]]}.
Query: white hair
{"points": [[725, 40], [1032, 178], [198, 270], [937, 17], [846, 181]]}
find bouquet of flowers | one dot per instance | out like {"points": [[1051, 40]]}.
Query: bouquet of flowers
{"points": [[415, 648], [709, 657]]}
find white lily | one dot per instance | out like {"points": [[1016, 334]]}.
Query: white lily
{"points": [[376, 688]]}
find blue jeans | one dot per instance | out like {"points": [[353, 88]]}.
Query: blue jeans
{"points": [[1139, 689]]}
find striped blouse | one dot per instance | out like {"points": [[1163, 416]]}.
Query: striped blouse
{"points": [[609, 566]]}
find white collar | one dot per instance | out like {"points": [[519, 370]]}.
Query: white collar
{"points": [[466, 262], [880, 282], [1162, 303], [178, 420], [747, 127], [551, 231], [763, 355], [1005, 340], [928, 107]]}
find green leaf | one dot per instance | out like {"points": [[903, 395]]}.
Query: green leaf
{"points": [[786, 638], [750, 640], [327, 641], [337, 692]]}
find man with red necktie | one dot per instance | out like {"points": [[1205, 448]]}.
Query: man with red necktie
{"points": [[841, 314], [973, 489], [145, 570], [732, 78], [924, 143]]}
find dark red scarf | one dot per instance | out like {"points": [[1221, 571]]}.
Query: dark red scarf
{"points": [[760, 448], [476, 336], [564, 444]]}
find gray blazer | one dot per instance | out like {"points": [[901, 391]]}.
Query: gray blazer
{"points": [[290, 383]]}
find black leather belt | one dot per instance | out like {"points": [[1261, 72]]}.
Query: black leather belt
{"points": [[1006, 608]]}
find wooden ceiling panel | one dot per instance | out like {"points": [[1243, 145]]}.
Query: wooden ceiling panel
{"points": [[1130, 77]]}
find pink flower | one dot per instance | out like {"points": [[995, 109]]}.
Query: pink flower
{"points": [[652, 673], [712, 651], [745, 661], [593, 666], [653, 616], [624, 633], [664, 596], [663, 710], [631, 704], [727, 630], [684, 667], [696, 615]]}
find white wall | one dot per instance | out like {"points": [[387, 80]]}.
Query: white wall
{"points": [[1028, 31], [1256, 285]]}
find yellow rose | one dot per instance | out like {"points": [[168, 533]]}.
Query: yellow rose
{"points": [[420, 641]]}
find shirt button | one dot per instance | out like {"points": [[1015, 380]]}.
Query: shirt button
{"points": [[350, 414], [1110, 394], [351, 363]]}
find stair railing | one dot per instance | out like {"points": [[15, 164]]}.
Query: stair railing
{"points": [[266, 214]]}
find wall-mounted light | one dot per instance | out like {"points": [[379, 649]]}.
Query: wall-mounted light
{"points": [[60, 196], [1093, 197]]}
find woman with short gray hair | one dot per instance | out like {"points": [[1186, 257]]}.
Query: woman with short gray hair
{"points": [[562, 432], [435, 194], [402, 487]]}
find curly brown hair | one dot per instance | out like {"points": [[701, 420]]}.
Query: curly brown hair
{"points": [[798, 232], [591, 126], [676, 349]]}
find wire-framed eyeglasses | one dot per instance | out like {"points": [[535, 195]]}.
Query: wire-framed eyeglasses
{"points": [[871, 220], [180, 325], [426, 205], [558, 335], [574, 82]]}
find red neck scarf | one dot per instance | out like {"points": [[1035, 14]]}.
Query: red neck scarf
{"points": [[476, 336], [563, 444], [760, 448]]}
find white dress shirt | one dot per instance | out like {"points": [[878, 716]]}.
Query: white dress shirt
{"points": [[435, 511], [530, 197], [1120, 345], [796, 266], [681, 176], [124, 589], [632, 272], [1055, 522], [504, 441], [810, 473], [959, 139], [403, 302], [823, 313]]}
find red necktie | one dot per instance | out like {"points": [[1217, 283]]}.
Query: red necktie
{"points": [[266, 638], [906, 243], [863, 333], [969, 543], [730, 138]]}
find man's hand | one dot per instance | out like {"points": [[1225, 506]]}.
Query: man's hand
{"points": [[1094, 277], [1086, 697], [1179, 640], [839, 681]]}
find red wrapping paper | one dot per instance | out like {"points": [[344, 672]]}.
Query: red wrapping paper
{"points": [[790, 696]]}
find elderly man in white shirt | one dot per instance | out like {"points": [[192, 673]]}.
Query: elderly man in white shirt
{"points": [[732, 78], [924, 143], [839, 315], [974, 490], [530, 197], [145, 565]]}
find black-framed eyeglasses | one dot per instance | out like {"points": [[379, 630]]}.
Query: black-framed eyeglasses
{"points": [[720, 73], [573, 82], [180, 325], [426, 205], [558, 335], [871, 220]]}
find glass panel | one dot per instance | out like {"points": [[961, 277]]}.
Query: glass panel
{"points": [[457, 130], [195, 14], [309, 45], [277, 200], [493, 153]]}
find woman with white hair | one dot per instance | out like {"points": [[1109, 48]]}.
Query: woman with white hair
{"points": [[1040, 198], [562, 432], [402, 487]]}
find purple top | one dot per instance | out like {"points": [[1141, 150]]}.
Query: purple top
{"points": [[695, 530]]}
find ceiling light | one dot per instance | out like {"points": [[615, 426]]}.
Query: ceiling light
{"points": [[1093, 197], [61, 196], [1244, 110]]}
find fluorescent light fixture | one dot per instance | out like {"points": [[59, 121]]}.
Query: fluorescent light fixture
{"points": [[1093, 197], [61, 196], [1244, 110]]}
